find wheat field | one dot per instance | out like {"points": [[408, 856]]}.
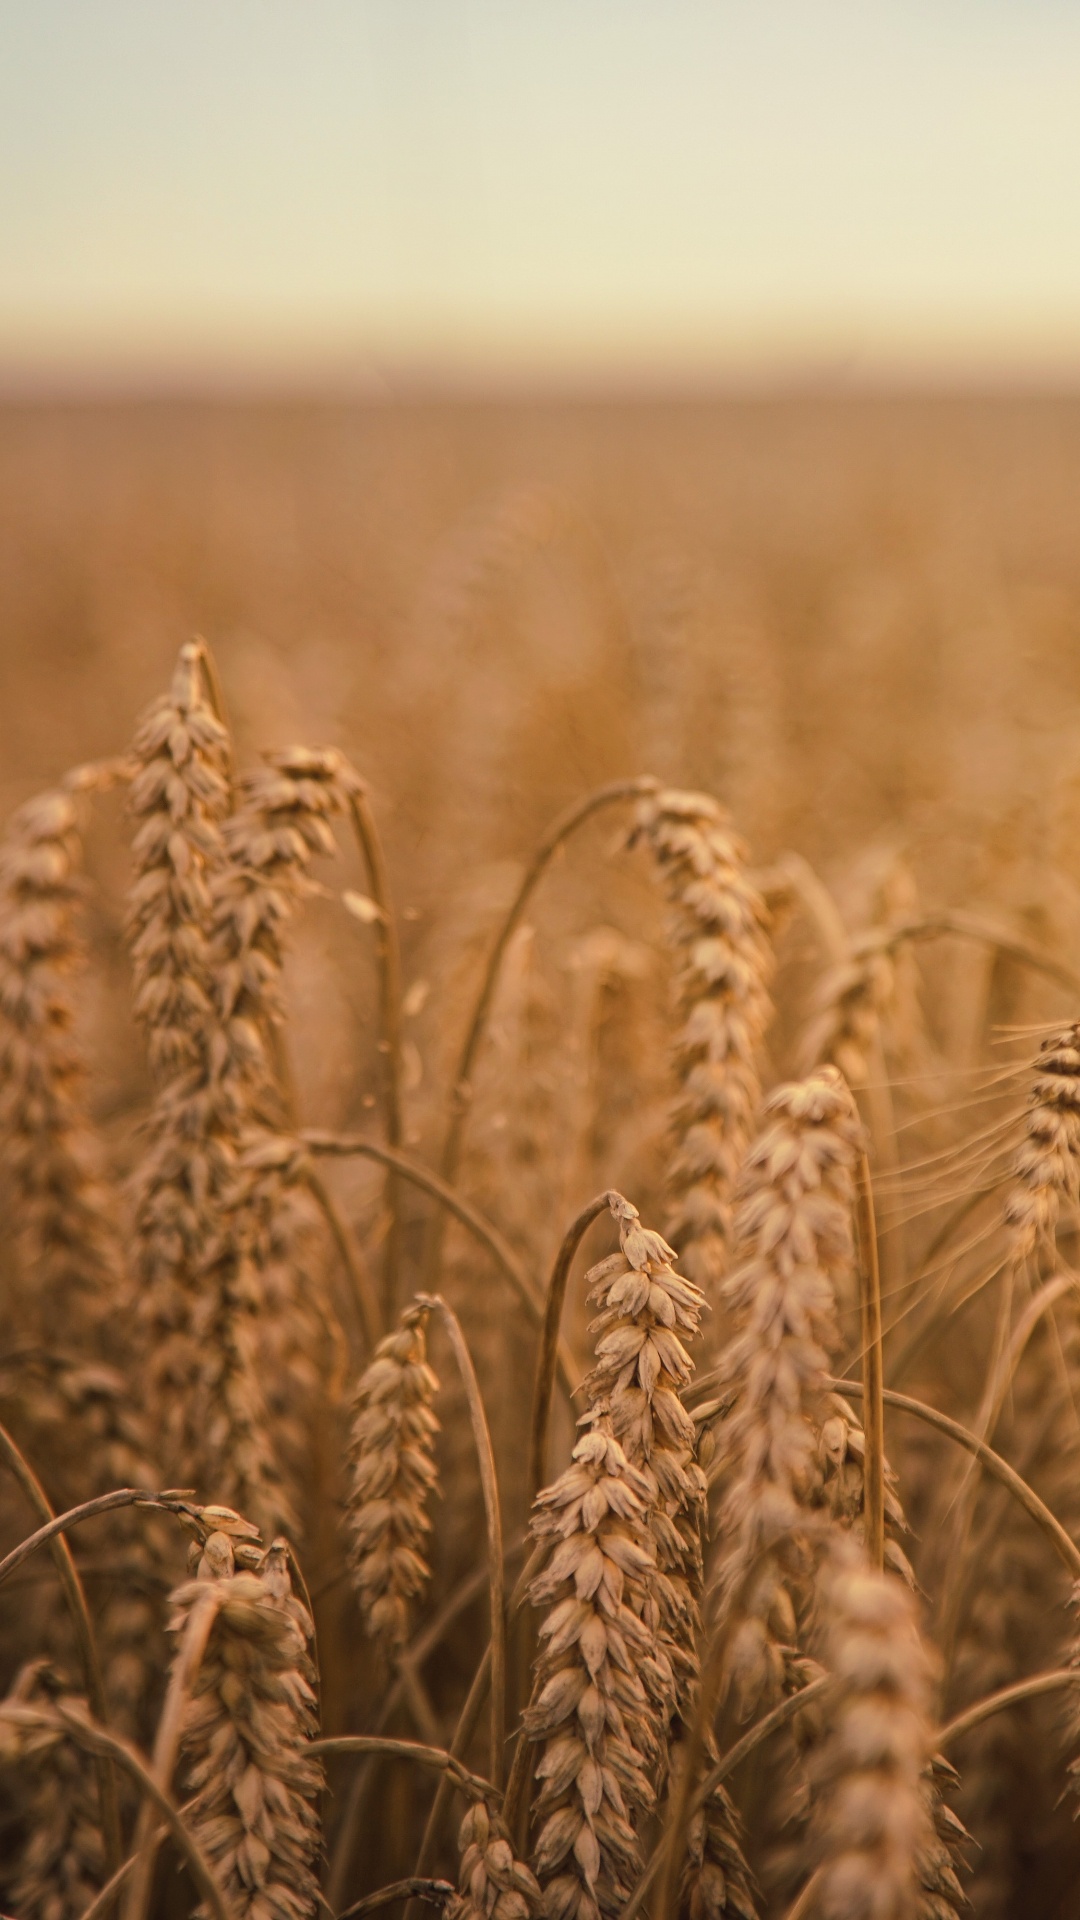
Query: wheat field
{"points": [[540, 1127]]}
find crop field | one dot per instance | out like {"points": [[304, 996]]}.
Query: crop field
{"points": [[540, 1159]]}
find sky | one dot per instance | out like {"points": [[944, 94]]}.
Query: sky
{"points": [[379, 190]]}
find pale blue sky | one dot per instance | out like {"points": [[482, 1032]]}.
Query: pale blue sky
{"points": [[564, 186]]}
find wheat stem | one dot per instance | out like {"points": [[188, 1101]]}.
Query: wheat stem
{"points": [[98, 1740], [873, 1368], [490, 1486], [489, 1236], [556, 836], [388, 955], [1066, 1549], [549, 1338], [84, 1635], [435, 1893]]}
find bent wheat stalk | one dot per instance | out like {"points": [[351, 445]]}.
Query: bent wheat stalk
{"points": [[556, 837]]}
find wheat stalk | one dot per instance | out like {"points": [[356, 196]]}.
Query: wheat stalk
{"points": [[723, 968]]}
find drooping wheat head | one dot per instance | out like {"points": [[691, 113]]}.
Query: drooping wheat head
{"points": [[724, 966], [393, 1477], [251, 1716]]}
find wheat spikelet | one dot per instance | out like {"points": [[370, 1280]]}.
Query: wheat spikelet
{"points": [[720, 933], [251, 1716], [393, 1478], [873, 1824], [492, 1885], [598, 1724], [641, 1366]]}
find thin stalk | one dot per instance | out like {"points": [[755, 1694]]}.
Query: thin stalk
{"points": [[388, 956], [489, 1236], [489, 1483], [189, 1657], [88, 1510], [415, 1654], [549, 1339], [1039, 1683], [351, 1259], [470, 1713], [769, 1724], [435, 1893], [96, 1739], [438, 1757], [804, 1905], [992, 1463], [873, 1371], [461, 1090], [712, 1676], [75, 1597]]}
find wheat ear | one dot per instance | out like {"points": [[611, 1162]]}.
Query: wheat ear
{"points": [[873, 1827], [393, 1477], [642, 1366], [492, 1884], [598, 1726], [197, 1269], [723, 968], [795, 1245], [251, 1717]]}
